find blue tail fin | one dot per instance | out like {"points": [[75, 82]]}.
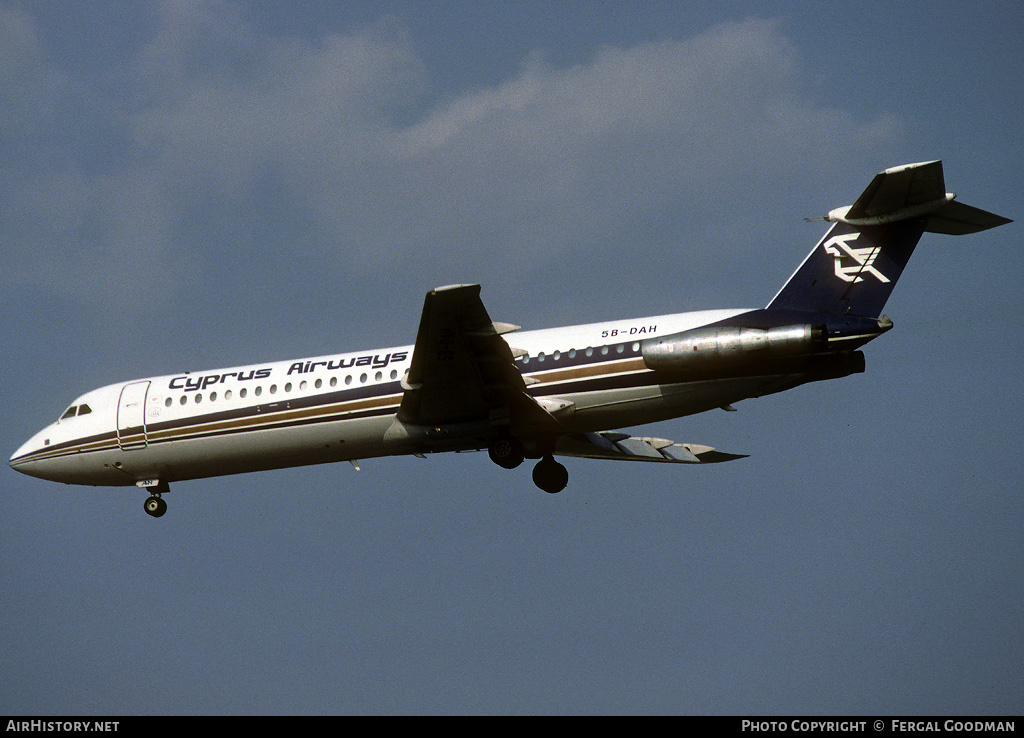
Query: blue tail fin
{"points": [[852, 271], [854, 268]]}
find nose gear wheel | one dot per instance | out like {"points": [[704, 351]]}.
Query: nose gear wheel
{"points": [[154, 506]]}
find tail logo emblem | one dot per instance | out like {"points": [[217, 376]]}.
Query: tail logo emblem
{"points": [[839, 247]]}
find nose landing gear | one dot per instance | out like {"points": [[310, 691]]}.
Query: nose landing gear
{"points": [[155, 506]]}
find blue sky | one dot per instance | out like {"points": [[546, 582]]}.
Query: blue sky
{"points": [[185, 186]]}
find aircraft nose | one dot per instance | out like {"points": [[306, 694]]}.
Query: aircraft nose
{"points": [[22, 451], [21, 460]]}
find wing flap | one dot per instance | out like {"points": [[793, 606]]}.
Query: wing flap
{"points": [[614, 445]]}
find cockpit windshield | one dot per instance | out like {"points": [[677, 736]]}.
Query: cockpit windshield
{"points": [[74, 410]]}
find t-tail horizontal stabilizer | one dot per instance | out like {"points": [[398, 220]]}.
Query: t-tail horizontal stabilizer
{"points": [[854, 268], [612, 445]]}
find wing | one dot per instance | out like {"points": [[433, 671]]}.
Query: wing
{"points": [[462, 370], [612, 445]]}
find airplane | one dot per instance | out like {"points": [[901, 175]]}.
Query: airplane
{"points": [[469, 383]]}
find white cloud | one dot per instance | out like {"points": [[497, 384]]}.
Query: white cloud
{"points": [[551, 162]]}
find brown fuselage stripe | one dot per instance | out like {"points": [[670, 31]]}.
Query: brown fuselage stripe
{"points": [[261, 418]]}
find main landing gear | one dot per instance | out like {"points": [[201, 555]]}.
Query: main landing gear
{"points": [[506, 452], [548, 474]]}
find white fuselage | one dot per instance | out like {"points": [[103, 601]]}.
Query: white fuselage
{"points": [[340, 407]]}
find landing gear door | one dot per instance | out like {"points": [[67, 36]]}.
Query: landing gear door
{"points": [[131, 416]]}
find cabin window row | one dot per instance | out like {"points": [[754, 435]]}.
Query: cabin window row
{"points": [[588, 352], [288, 387], [540, 358]]}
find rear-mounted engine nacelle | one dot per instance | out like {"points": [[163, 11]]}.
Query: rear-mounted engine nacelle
{"points": [[718, 348]]}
